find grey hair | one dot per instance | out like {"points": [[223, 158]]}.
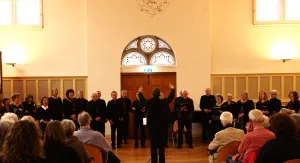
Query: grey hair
{"points": [[84, 118], [256, 116], [9, 117], [69, 127], [229, 94], [266, 122], [274, 91], [286, 111], [226, 118], [296, 119], [124, 91], [5, 127], [28, 118]]}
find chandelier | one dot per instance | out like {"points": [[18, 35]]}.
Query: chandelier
{"points": [[153, 7]]}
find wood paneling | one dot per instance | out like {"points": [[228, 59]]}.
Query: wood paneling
{"points": [[67, 84], [297, 84], [80, 85], [288, 85], [42, 88], [7, 88], [276, 84], [217, 85], [55, 84], [253, 87], [240, 86], [229, 86], [265, 83], [31, 88], [19, 88]]}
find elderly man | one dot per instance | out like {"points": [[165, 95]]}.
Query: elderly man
{"points": [[97, 109], [126, 107], [185, 109], [207, 102], [255, 138], [157, 121], [227, 135], [88, 136]]}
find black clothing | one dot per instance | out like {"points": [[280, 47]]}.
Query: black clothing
{"points": [[115, 113], [38, 160], [30, 108], [216, 122], [138, 120], [57, 106], [157, 123], [184, 118], [19, 110], [230, 107], [293, 105], [207, 102], [97, 109], [4, 110], [81, 104], [126, 107], [61, 154], [275, 104], [70, 108], [45, 115], [279, 150], [243, 108], [264, 106]]}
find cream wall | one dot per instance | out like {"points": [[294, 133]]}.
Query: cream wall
{"points": [[56, 50], [240, 47], [185, 26]]}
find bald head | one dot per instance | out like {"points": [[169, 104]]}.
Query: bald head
{"points": [[185, 93], [207, 91], [94, 96]]}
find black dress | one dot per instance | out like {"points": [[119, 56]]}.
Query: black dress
{"points": [[293, 105], [70, 108], [19, 110], [30, 109], [263, 106], [275, 104], [243, 107], [43, 114], [230, 107], [81, 104], [57, 107]]}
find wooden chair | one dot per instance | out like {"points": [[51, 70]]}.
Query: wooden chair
{"points": [[229, 149], [293, 161], [95, 153], [175, 131]]}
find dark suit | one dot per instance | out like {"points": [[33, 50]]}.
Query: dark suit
{"points": [[125, 107], [207, 102], [97, 109], [138, 120], [157, 123], [115, 114]]}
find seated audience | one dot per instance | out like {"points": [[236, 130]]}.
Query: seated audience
{"points": [[285, 146], [55, 146], [227, 135], [255, 138], [296, 120], [73, 141], [266, 122], [22, 144], [294, 104], [89, 136], [286, 111], [9, 117], [5, 127]]}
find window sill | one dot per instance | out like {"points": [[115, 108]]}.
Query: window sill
{"points": [[20, 27], [276, 24]]}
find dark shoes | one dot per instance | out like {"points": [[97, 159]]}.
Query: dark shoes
{"points": [[179, 146], [136, 145], [125, 142], [144, 146]]}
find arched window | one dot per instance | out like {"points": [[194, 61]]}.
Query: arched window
{"points": [[148, 50]]}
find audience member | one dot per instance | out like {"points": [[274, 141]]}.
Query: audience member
{"points": [[255, 138], [5, 127], [286, 144], [73, 141], [22, 144], [296, 120], [55, 146], [9, 117], [89, 136], [227, 135], [286, 111], [5, 106], [266, 122]]}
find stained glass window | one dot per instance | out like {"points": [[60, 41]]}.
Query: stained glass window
{"points": [[162, 58], [133, 45], [162, 44], [134, 58], [148, 45]]}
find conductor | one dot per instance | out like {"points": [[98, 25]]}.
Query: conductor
{"points": [[157, 121]]}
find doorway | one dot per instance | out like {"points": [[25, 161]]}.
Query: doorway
{"points": [[132, 81]]}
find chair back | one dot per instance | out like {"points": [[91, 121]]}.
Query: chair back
{"points": [[229, 149], [293, 161], [95, 153]]}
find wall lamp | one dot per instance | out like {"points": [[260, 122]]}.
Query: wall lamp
{"points": [[284, 60], [12, 64]]}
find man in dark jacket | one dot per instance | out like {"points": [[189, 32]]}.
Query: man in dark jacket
{"points": [[97, 109], [139, 109], [157, 121], [185, 109], [125, 107], [207, 102]]}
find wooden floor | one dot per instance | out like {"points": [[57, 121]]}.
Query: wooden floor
{"points": [[128, 154]]}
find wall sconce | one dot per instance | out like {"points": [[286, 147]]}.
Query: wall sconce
{"points": [[12, 64], [284, 60]]}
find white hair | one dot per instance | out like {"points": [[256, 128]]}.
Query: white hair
{"points": [[226, 118], [229, 94], [9, 117], [266, 122], [69, 127], [256, 115], [274, 91]]}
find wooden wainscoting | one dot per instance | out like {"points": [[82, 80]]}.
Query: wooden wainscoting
{"points": [[42, 86], [253, 83]]}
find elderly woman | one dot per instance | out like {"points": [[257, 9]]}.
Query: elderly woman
{"points": [[286, 111], [5, 127], [227, 135], [73, 141], [296, 120], [266, 122], [9, 117]]}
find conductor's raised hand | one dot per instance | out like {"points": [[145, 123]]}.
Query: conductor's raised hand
{"points": [[141, 88], [171, 86]]}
